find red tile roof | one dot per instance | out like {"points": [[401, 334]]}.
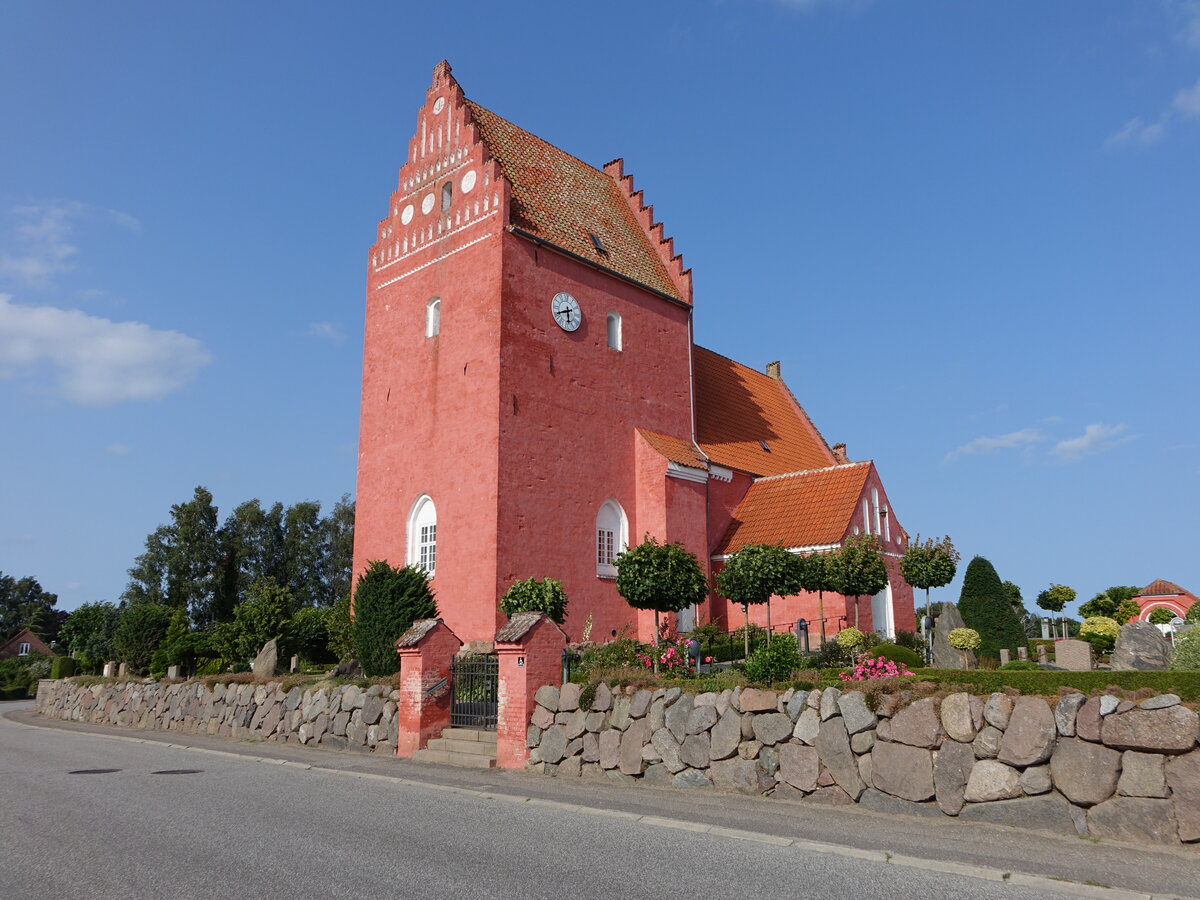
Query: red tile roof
{"points": [[803, 509], [677, 451], [737, 407], [1161, 587], [563, 201]]}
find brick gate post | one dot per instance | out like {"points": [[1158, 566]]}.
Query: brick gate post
{"points": [[530, 650], [423, 710]]}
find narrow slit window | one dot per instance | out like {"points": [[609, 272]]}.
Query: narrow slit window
{"points": [[433, 317], [614, 330], [447, 196]]}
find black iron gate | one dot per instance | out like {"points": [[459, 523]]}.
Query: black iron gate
{"points": [[475, 680]]}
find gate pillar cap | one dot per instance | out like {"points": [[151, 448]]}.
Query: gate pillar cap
{"points": [[420, 630], [521, 624]]}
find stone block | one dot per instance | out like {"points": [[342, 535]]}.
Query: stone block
{"points": [[757, 700], [632, 741], [1172, 729], [1005, 656], [1141, 646], [1065, 713], [726, 734], [1031, 733], [705, 717], [1036, 780], [862, 742], [1050, 812], [1144, 775], [692, 778], [857, 715], [807, 726], [1087, 720], [1085, 773], [568, 697], [1136, 819], [997, 710], [553, 746], [541, 717], [829, 703], [547, 697], [735, 775], [951, 770], [657, 774], [877, 801], [602, 701], [1183, 777], [639, 704], [833, 748], [771, 728], [957, 720], [799, 766], [749, 749], [591, 747], [917, 725], [694, 751], [610, 748], [668, 748], [992, 780], [902, 771], [796, 704], [1075, 656], [619, 717], [677, 716]]}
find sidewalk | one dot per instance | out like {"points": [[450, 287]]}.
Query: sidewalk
{"points": [[985, 851]]}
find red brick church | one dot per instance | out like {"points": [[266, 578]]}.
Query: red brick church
{"points": [[533, 401]]}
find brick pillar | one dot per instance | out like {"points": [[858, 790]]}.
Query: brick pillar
{"points": [[423, 710], [530, 650]]}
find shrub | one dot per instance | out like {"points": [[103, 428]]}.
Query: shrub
{"points": [[1193, 614], [869, 668], [775, 661], [985, 607], [1020, 665], [308, 633], [1101, 632], [62, 667], [964, 639], [543, 595], [386, 603], [620, 653], [849, 638], [911, 640], [1187, 649], [341, 631], [902, 655], [140, 629]]}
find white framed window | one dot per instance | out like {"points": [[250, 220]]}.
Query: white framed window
{"points": [[875, 510], [612, 536], [614, 330], [23, 648], [447, 196], [422, 534], [433, 317]]}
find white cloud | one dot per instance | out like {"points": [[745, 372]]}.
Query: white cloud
{"points": [[1187, 12], [987, 444], [1187, 101], [42, 240], [326, 330], [98, 362], [1138, 132], [1095, 437]]}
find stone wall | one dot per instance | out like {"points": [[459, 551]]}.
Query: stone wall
{"points": [[345, 717], [1097, 766]]}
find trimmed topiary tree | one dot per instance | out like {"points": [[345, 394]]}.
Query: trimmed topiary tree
{"points": [[813, 570], [1054, 599], [1101, 632], [756, 573], [896, 653], [661, 577], [543, 595], [985, 607], [858, 568], [386, 603]]}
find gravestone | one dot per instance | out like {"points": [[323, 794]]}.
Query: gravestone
{"points": [[295, 666], [123, 671], [945, 656], [265, 663], [1041, 652], [1073, 655], [110, 669], [1140, 645], [1023, 654], [1045, 629], [1005, 656], [172, 672]]}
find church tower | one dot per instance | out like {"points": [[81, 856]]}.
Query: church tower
{"points": [[527, 405]]}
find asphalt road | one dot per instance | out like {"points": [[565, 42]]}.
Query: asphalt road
{"points": [[127, 814]]}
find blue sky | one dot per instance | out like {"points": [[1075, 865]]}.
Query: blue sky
{"points": [[970, 231]]}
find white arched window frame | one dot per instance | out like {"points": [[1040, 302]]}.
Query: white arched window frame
{"points": [[614, 330], [875, 510], [433, 317], [422, 534], [612, 537]]}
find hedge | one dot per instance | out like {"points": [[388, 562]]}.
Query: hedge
{"points": [[1047, 683]]}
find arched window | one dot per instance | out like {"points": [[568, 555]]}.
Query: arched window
{"points": [[447, 196], [433, 317], [875, 510], [614, 330], [612, 536], [422, 534]]}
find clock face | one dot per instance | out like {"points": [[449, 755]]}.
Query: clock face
{"points": [[566, 311]]}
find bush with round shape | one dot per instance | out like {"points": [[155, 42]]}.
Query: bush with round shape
{"points": [[964, 639], [849, 638], [543, 595], [1187, 650], [775, 661], [1021, 665], [1101, 632], [902, 655]]}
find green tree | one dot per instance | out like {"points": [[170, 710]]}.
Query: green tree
{"points": [[304, 553], [1193, 614], [1115, 603], [139, 631], [536, 595], [341, 630], [82, 625], [858, 569], [1161, 616], [986, 607], [929, 564], [1055, 598], [263, 616], [26, 604], [386, 603], [1029, 622], [663, 577], [170, 650], [308, 633], [339, 541], [814, 576], [754, 574]]}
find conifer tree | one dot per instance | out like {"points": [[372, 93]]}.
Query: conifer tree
{"points": [[985, 606]]}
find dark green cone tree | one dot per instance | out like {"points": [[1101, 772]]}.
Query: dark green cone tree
{"points": [[985, 606], [386, 603]]}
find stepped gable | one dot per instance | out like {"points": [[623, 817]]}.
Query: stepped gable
{"points": [[563, 201], [675, 450], [665, 246], [1160, 587], [800, 509], [737, 407]]}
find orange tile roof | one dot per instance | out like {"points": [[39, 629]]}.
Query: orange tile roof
{"points": [[803, 509], [677, 451], [736, 407], [1161, 587], [561, 199]]}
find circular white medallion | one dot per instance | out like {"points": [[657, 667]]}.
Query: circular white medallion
{"points": [[468, 182], [438, 105], [427, 203], [406, 214]]}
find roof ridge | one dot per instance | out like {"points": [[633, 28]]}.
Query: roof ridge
{"points": [[799, 472]]}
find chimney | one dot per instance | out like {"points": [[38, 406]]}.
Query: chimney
{"points": [[839, 453], [773, 370]]}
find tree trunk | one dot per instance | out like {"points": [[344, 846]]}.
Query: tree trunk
{"points": [[768, 621], [856, 612], [821, 614], [656, 642], [746, 630]]}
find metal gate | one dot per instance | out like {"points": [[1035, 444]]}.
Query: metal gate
{"points": [[475, 681]]}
